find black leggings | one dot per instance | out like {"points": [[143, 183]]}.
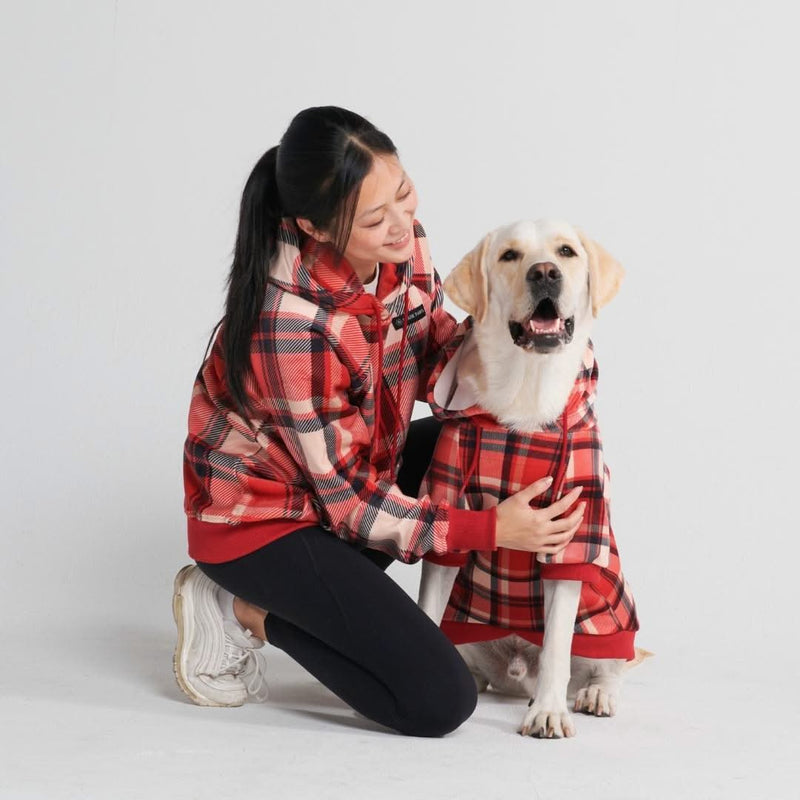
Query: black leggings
{"points": [[334, 611]]}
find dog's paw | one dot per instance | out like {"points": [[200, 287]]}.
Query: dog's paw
{"points": [[598, 699], [547, 724]]}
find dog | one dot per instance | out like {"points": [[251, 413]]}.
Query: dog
{"points": [[511, 404]]}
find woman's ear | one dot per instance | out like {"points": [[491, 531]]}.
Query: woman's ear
{"points": [[467, 285], [307, 228], [605, 273]]}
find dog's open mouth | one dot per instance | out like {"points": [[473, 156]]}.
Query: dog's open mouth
{"points": [[544, 329]]}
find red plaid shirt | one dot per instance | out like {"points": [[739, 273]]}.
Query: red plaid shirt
{"points": [[478, 463], [336, 372]]}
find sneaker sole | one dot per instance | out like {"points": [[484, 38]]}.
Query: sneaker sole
{"points": [[183, 623]]}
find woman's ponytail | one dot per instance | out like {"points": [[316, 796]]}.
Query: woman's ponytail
{"points": [[325, 154], [259, 219]]}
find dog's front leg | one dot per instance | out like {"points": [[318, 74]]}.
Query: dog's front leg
{"points": [[548, 715], [435, 586]]}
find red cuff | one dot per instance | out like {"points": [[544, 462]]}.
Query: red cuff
{"points": [[471, 530]]}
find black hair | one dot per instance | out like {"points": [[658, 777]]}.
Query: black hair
{"points": [[314, 173]]}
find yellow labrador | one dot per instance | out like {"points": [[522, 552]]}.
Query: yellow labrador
{"points": [[533, 290]]}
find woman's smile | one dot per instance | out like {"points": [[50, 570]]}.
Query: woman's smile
{"points": [[401, 242]]}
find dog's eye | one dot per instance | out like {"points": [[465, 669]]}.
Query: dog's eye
{"points": [[566, 251], [510, 255]]}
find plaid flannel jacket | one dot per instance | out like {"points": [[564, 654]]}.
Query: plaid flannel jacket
{"points": [[336, 372], [478, 463]]}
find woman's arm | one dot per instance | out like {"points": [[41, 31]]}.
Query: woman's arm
{"points": [[303, 387]]}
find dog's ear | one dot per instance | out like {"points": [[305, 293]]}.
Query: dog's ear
{"points": [[467, 285], [605, 273]]}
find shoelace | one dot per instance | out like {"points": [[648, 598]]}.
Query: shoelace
{"points": [[245, 663], [254, 676]]}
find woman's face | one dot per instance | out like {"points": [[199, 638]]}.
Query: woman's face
{"points": [[383, 225]]}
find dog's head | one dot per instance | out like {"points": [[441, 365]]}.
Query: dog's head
{"points": [[541, 280]]}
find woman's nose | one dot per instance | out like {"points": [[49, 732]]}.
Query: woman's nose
{"points": [[398, 218]]}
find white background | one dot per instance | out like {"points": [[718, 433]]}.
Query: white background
{"points": [[667, 131]]}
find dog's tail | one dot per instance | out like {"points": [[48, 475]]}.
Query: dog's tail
{"points": [[640, 655]]}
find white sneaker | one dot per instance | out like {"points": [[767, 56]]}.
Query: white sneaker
{"points": [[215, 663]]}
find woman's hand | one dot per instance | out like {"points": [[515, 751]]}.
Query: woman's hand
{"points": [[537, 530]]}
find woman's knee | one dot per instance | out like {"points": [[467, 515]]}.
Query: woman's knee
{"points": [[442, 703]]}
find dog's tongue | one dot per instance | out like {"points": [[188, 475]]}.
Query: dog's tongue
{"points": [[545, 325]]}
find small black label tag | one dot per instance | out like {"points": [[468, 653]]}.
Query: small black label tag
{"points": [[413, 315]]}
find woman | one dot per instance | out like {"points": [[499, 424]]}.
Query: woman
{"points": [[299, 419]]}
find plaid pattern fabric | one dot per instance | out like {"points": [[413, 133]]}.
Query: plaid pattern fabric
{"points": [[321, 447], [478, 463]]}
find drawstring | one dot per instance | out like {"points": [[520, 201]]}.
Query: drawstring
{"points": [[561, 466], [376, 328], [401, 364], [473, 462], [370, 305]]}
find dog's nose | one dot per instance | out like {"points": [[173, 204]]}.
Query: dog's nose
{"points": [[544, 273]]}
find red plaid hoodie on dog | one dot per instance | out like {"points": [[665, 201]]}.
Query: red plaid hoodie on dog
{"points": [[478, 463], [336, 372]]}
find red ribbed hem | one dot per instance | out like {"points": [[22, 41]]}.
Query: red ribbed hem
{"points": [[447, 559], [586, 573], [612, 645], [218, 542]]}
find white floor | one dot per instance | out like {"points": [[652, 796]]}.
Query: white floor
{"points": [[95, 713]]}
